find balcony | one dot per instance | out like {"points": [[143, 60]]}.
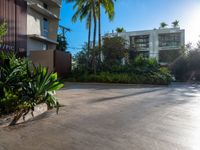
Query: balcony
{"points": [[50, 2], [43, 11], [42, 38]]}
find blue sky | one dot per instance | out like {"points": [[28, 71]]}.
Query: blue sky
{"points": [[138, 15]]}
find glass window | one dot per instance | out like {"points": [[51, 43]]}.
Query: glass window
{"points": [[167, 56], [139, 42], [45, 27], [170, 40], [45, 5]]}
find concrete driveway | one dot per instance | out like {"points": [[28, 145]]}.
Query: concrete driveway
{"points": [[114, 117]]}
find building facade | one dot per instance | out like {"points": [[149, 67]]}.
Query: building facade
{"points": [[32, 24], [42, 24], [162, 44]]}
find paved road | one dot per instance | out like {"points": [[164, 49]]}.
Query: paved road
{"points": [[114, 117]]}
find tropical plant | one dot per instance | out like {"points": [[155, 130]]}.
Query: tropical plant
{"points": [[87, 9], [162, 77], [175, 24], [83, 11], [61, 38], [62, 43], [163, 25], [83, 60], [114, 50], [3, 29], [108, 5], [91, 10], [23, 86], [120, 30]]}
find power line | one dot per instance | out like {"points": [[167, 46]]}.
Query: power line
{"points": [[74, 47]]}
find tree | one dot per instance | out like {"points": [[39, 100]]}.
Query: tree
{"points": [[61, 39], [114, 50], [87, 9], [163, 25], [108, 5], [91, 9], [175, 24], [83, 60], [120, 30], [83, 11], [3, 30]]}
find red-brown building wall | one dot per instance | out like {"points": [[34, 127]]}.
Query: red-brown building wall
{"points": [[14, 12]]}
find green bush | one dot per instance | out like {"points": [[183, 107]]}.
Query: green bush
{"points": [[23, 86], [3, 30], [162, 77], [139, 71]]}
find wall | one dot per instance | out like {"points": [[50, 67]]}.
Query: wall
{"points": [[43, 58], [34, 22], [62, 63], [153, 39], [34, 45], [57, 61], [14, 12], [35, 26]]}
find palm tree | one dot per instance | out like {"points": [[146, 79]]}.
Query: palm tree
{"points": [[83, 10], [87, 9], [94, 35], [108, 5], [91, 9], [175, 24], [120, 30], [163, 25]]}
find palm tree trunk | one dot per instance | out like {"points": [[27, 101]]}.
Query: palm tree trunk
{"points": [[94, 36], [99, 9], [89, 36], [89, 30]]}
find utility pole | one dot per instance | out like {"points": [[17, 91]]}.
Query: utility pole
{"points": [[62, 38], [64, 30]]}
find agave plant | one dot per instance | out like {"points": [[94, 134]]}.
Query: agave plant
{"points": [[23, 86]]}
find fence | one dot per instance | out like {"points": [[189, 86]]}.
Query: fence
{"points": [[54, 60]]}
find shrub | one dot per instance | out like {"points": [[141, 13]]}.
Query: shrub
{"points": [[23, 86], [162, 77], [3, 30]]}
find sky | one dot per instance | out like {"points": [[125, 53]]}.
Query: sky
{"points": [[135, 15]]}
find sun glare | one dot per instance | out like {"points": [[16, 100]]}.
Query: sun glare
{"points": [[193, 25]]}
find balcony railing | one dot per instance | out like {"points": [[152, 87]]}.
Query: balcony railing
{"points": [[56, 2], [36, 6]]}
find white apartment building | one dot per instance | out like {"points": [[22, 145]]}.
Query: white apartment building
{"points": [[42, 24], [161, 44]]}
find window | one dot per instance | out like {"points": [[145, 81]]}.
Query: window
{"points": [[45, 5], [140, 42], [167, 56], [45, 27], [44, 47], [169, 40]]}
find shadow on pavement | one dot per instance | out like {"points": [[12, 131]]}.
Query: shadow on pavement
{"points": [[123, 96]]}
